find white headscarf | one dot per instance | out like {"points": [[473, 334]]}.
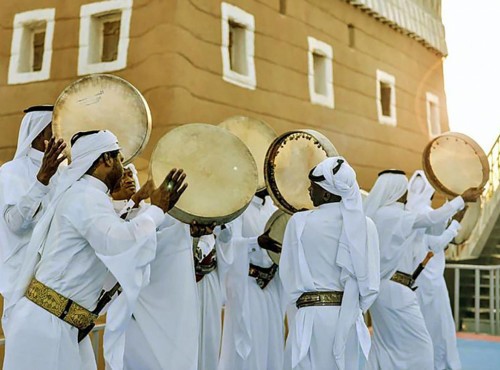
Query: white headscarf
{"points": [[32, 125], [420, 192], [132, 168], [340, 179], [388, 188], [83, 153]]}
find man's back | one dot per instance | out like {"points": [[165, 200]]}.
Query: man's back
{"points": [[320, 240]]}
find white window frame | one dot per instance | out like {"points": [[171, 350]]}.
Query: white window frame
{"points": [[232, 13], [384, 77], [430, 98], [325, 50], [87, 12], [22, 22]]}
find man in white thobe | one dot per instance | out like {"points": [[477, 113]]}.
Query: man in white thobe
{"points": [[329, 269], [432, 293], [212, 258], [253, 333], [401, 340], [24, 183], [76, 242], [163, 332]]}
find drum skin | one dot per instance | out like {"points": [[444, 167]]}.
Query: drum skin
{"points": [[289, 160], [257, 136], [104, 102], [276, 226], [220, 171], [453, 163]]}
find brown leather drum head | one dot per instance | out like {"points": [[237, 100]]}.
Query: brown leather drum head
{"points": [[220, 171], [257, 136], [104, 102], [453, 163], [276, 226], [288, 161]]}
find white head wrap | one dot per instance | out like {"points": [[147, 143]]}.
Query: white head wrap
{"points": [[83, 153], [420, 192], [32, 125], [388, 188], [340, 179], [132, 168]]}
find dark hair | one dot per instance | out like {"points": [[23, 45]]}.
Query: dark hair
{"points": [[112, 154]]}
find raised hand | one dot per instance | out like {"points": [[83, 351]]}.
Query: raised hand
{"points": [[144, 192], [169, 192], [472, 194], [52, 158]]}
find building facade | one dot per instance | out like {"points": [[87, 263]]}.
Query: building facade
{"points": [[366, 73]]}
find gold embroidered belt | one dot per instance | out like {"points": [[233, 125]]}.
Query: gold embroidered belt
{"points": [[60, 306], [403, 279], [309, 299]]}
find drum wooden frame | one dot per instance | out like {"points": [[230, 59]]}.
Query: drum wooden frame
{"points": [[437, 179], [104, 102], [270, 172]]}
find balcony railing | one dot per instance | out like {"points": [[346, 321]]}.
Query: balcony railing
{"points": [[493, 295]]}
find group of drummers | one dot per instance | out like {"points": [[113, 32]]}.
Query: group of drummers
{"points": [[244, 250]]}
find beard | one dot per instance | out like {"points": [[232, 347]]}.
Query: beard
{"points": [[115, 175]]}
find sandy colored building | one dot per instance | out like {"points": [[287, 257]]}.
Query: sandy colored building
{"points": [[366, 73]]}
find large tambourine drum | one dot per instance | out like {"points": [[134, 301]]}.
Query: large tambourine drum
{"points": [[288, 161], [276, 226], [220, 171], [104, 102], [453, 163], [257, 136]]}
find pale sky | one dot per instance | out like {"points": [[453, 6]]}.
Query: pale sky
{"points": [[472, 68]]}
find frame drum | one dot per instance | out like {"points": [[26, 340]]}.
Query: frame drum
{"points": [[219, 168], [453, 163], [257, 136], [104, 102], [288, 161], [276, 225]]}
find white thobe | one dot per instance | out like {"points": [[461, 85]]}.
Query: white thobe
{"points": [[210, 294], [433, 298], [164, 331], [400, 337], [21, 197], [310, 263], [253, 334], [85, 240]]}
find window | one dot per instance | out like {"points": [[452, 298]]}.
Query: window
{"points": [[104, 36], [238, 46], [351, 35], [320, 74], [433, 114], [386, 98], [31, 49]]}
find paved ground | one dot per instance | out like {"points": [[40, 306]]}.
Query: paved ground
{"points": [[479, 352]]}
